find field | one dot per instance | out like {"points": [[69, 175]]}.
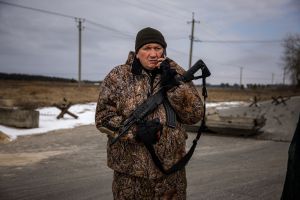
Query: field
{"points": [[33, 94]]}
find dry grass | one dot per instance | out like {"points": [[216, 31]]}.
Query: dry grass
{"points": [[262, 94], [37, 93], [33, 94]]}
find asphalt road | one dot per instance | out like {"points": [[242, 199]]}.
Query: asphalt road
{"points": [[71, 164]]}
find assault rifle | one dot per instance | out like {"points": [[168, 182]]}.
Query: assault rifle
{"points": [[150, 104]]}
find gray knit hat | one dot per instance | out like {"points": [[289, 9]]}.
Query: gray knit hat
{"points": [[149, 35]]}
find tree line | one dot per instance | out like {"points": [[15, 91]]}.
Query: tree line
{"points": [[27, 77], [291, 57]]}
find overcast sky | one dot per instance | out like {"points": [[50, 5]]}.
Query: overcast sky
{"points": [[41, 43]]}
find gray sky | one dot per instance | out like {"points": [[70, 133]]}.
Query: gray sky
{"points": [[34, 42]]}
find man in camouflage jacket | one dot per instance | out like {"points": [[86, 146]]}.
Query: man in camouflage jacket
{"points": [[124, 88]]}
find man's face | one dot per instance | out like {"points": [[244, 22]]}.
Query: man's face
{"points": [[151, 55]]}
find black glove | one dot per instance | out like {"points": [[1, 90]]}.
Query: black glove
{"points": [[168, 79], [149, 131]]}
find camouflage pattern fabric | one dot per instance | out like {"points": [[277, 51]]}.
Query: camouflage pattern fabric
{"points": [[127, 187], [127, 86]]}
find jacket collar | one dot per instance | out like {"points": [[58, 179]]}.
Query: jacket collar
{"points": [[136, 67]]}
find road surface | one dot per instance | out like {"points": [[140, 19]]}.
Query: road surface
{"points": [[71, 165]]}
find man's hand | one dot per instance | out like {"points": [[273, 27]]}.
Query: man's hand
{"points": [[168, 79], [149, 131], [159, 61]]}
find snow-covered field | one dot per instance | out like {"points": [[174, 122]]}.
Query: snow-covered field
{"points": [[86, 116]]}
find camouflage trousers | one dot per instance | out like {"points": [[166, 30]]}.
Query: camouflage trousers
{"points": [[131, 187]]}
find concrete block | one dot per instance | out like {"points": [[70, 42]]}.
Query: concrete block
{"points": [[19, 118], [242, 126]]}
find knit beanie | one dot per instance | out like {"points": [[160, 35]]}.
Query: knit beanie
{"points": [[149, 35]]}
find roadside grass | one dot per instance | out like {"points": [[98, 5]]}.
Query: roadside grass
{"points": [[34, 94]]}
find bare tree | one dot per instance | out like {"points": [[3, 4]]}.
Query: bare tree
{"points": [[291, 57]]}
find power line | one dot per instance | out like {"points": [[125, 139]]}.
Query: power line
{"points": [[80, 27], [38, 10], [110, 28], [152, 8], [67, 16], [239, 41], [128, 34], [131, 35]]}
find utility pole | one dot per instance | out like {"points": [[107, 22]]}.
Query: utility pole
{"points": [[272, 78], [283, 76], [80, 28], [241, 76], [192, 39]]}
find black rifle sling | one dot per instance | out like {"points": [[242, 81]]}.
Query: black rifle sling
{"points": [[184, 160]]}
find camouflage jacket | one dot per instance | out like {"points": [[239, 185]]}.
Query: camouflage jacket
{"points": [[124, 88]]}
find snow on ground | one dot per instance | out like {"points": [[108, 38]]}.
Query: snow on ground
{"points": [[48, 121], [86, 116], [226, 105]]}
